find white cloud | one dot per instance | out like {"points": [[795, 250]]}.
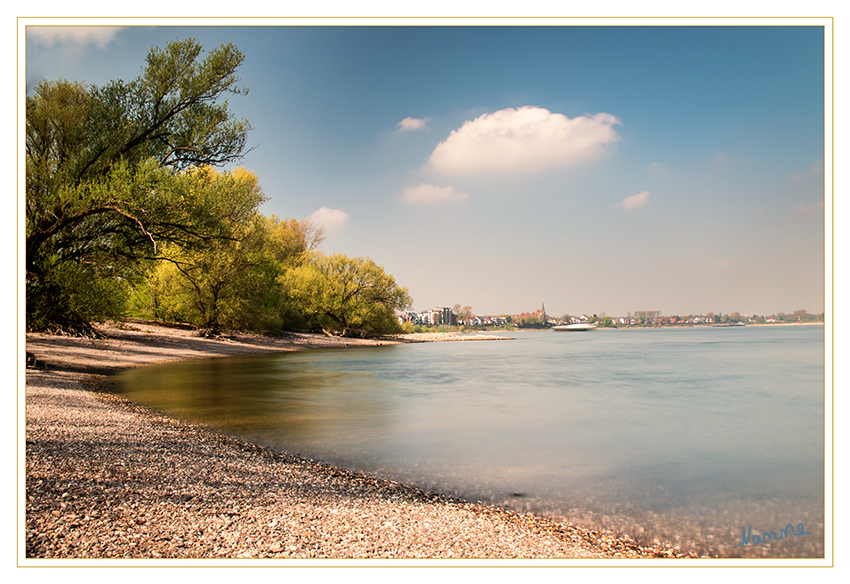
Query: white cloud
{"points": [[526, 139], [409, 123], [82, 35], [635, 201], [330, 219], [722, 264], [426, 193], [657, 168]]}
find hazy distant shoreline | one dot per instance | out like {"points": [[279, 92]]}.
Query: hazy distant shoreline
{"points": [[639, 327]]}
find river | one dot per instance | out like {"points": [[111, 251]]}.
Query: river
{"points": [[685, 436]]}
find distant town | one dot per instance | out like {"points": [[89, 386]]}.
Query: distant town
{"points": [[464, 318]]}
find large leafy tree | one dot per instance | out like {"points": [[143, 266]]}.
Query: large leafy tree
{"points": [[108, 182], [346, 296], [232, 284]]}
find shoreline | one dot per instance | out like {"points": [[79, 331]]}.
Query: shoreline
{"points": [[502, 332], [106, 478]]}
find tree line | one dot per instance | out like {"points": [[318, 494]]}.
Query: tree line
{"points": [[129, 212]]}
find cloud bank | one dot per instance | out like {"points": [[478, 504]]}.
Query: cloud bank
{"points": [[81, 35], [409, 123], [523, 140], [635, 201], [330, 219], [426, 193]]}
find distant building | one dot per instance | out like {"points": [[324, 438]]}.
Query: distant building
{"points": [[442, 316], [433, 317]]}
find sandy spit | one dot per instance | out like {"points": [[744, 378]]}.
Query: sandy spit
{"points": [[108, 479]]}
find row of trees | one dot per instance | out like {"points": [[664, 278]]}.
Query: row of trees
{"points": [[127, 214], [737, 317], [654, 317], [798, 316]]}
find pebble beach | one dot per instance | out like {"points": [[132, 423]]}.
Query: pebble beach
{"points": [[107, 479]]}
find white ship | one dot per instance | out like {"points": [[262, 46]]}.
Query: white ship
{"points": [[579, 326]]}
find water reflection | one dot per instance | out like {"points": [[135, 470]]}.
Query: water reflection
{"points": [[686, 436]]}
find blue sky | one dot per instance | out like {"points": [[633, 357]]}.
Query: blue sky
{"points": [[598, 169]]}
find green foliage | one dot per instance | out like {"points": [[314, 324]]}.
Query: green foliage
{"points": [[76, 293], [530, 322], [801, 315], [606, 321], [110, 181], [409, 327], [346, 296], [125, 212], [232, 283]]}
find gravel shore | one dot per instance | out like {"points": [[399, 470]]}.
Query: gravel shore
{"points": [[108, 479]]}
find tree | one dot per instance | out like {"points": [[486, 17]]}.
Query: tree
{"points": [[346, 296], [232, 283], [530, 322], [108, 185], [466, 314], [203, 285], [802, 315]]}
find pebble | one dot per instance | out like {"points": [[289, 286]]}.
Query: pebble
{"points": [[108, 479]]}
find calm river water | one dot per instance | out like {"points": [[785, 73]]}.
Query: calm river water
{"points": [[685, 436]]}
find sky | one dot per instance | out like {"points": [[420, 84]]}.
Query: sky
{"points": [[596, 169]]}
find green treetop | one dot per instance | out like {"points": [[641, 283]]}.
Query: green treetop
{"points": [[107, 182]]}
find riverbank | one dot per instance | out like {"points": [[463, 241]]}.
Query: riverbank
{"points": [[108, 479]]}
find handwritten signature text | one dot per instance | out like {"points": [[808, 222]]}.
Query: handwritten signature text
{"points": [[748, 537]]}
